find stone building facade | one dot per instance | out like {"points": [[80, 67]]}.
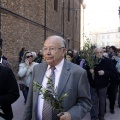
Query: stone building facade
{"points": [[26, 23]]}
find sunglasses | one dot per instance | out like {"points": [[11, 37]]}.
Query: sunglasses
{"points": [[29, 56]]}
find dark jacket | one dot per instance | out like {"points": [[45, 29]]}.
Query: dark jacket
{"points": [[39, 58], [21, 53], [101, 81], [114, 80], [107, 66], [9, 92], [89, 75], [4, 63], [77, 60]]}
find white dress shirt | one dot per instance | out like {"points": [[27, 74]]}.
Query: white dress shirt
{"points": [[44, 83]]}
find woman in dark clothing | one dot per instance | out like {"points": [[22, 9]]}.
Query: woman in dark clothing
{"points": [[21, 53]]}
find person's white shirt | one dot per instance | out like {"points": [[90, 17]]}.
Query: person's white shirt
{"points": [[1, 60], [44, 83]]}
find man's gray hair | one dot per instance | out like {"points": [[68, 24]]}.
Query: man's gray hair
{"points": [[98, 48]]}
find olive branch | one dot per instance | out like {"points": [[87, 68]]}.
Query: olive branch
{"points": [[50, 94], [87, 53]]}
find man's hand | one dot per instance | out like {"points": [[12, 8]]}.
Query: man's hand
{"points": [[64, 116], [91, 71], [101, 72]]}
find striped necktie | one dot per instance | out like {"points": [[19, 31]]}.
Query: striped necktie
{"points": [[47, 108]]}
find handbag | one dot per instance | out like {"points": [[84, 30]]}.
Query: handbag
{"points": [[22, 87]]}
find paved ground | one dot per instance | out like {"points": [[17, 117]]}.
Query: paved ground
{"points": [[108, 115], [18, 109]]}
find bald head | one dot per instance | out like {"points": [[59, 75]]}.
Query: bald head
{"points": [[58, 39], [54, 50]]}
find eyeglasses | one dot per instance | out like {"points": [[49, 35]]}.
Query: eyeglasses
{"points": [[29, 56], [51, 49]]}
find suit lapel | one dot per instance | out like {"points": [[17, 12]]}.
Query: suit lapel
{"points": [[65, 73], [41, 73], [64, 77]]}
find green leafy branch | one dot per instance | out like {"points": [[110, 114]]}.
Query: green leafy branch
{"points": [[50, 94], [87, 53]]}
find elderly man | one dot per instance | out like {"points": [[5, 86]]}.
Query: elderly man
{"points": [[69, 79], [103, 70]]}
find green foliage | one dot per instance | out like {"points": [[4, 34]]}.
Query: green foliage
{"points": [[87, 53], [50, 94]]}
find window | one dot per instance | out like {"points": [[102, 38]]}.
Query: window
{"points": [[68, 10], [56, 5]]}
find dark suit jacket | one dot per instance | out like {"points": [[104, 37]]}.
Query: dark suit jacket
{"points": [[101, 81], [73, 81], [109, 71], [9, 91]]}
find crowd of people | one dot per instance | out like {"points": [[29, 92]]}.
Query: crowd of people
{"points": [[104, 79], [87, 88]]}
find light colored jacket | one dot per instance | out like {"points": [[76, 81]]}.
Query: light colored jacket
{"points": [[25, 73]]}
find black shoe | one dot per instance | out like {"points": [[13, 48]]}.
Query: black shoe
{"points": [[112, 111], [101, 118]]}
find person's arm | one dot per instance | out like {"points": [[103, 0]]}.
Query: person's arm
{"points": [[22, 70], [11, 91], [83, 102]]}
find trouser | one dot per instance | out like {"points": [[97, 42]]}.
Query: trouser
{"points": [[25, 93], [98, 97], [119, 94], [112, 91]]}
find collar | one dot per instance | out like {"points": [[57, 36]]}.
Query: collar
{"points": [[59, 66]]}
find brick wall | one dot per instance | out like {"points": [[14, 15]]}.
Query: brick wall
{"points": [[22, 25]]}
